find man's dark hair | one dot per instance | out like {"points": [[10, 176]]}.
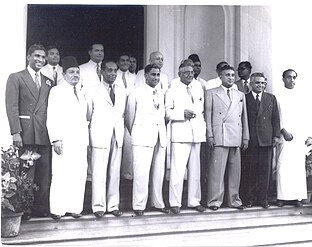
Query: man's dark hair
{"points": [[257, 74], [94, 43], [245, 64], [103, 65], [226, 67], [149, 67], [288, 70], [34, 48]]}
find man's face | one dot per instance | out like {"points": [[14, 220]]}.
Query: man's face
{"points": [[124, 63], [53, 57], [186, 74], [243, 72], [197, 68], [110, 72], [37, 59], [290, 79], [227, 78], [97, 53], [152, 77], [133, 64], [157, 59], [258, 84], [72, 75]]}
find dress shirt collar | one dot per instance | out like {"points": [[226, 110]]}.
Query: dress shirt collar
{"points": [[225, 88], [33, 73], [94, 64], [255, 95], [51, 67], [106, 85]]}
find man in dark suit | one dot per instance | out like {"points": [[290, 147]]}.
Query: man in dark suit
{"points": [[244, 71], [264, 129], [26, 99]]}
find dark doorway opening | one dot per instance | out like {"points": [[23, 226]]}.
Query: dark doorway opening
{"points": [[74, 27]]}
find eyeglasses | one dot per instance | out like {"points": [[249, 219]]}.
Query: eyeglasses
{"points": [[188, 73], [260, 82]]}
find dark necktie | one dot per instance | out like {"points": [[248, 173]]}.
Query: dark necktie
{"points": [[112, 93], [229, 94], [257, 102], [75, 92], [37, 81], [98, 71], [155, 99], [124, 79], [246, 88], [188, 88], [54, 74]]}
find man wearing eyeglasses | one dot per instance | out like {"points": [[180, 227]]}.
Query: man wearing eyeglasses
{"points": [[184, 108], [264, 129]]}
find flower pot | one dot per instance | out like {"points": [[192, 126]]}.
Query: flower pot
{"points": [[10, 224]]}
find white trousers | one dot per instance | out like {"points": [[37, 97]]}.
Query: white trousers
{"points": [[106, 171], [185, 155], [144, 160]]}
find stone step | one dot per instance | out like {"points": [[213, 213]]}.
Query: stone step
{"points": [[157, 226]]}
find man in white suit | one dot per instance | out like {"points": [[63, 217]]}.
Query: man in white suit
{"points": [[158, 59], [68, 130], [145, 119], [227, 132], [184, 108], [90, 72], [106, 105], [52, 69]]}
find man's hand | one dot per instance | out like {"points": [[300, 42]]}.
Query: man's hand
{"points": [[58, 147], [275, 141], [17, 140], [287, 136], [211, 143], [189, 114], [244, 145]]}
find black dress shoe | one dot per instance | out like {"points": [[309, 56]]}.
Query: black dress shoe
{"points": [[138, 212], [26, 216], [116, 213], [162, 210], [76, 216], [199, 208], [298, 204], [280, 203], [265, 205], [214, 208], [240, 207], [175, 210], [99, 214], [249, 204], [56, 216]]}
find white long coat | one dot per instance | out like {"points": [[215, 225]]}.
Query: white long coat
{"points": [[291, 178], [67, 121]]}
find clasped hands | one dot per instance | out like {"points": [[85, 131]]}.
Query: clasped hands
{"points": [[189, 114]]}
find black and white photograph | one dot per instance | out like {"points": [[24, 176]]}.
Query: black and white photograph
{"points": [[136, 123]]}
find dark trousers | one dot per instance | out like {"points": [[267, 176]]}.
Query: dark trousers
{"points": [[40, 172], [256, 170]]}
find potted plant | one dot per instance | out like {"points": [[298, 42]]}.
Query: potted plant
{"points": [[17, 188]]}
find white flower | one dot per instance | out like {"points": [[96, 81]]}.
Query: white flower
{"points": [[48, 82]]}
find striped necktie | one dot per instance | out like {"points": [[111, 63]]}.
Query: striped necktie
{"points": [[37, 81]]}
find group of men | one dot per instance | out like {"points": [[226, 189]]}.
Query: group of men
{"points": [[105, 121]]}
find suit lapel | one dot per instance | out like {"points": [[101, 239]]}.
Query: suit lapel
{"points": [[223, 96], [263, 104], [235, 101], [46, 85], [106, 94], [28, 80]]}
